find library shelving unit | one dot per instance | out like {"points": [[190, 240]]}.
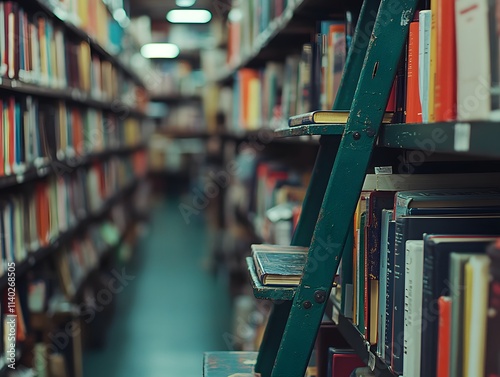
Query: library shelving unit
{"points": [[73, 156], [342, 161]]}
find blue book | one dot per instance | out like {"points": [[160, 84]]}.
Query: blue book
{"points": [[391, 241]]}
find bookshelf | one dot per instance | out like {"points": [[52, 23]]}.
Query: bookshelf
{"points": [[73, 160], [362, 145]]}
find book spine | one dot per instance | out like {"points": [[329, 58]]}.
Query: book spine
{"points": [[413, 107], [443, 367], [429, 313], [399, 296], [391, 241]]}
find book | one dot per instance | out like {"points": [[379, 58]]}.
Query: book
{"points": [[342, 362], [326, 117], [466, 237], [384, 239], [452, 198], [413, 228], [477, 60], [413, 105], [445, 92], [476, 288], [414, 266], [445, 312], [281, 265], [391, 243], [424, 40], [492, 367], [457, 294]]}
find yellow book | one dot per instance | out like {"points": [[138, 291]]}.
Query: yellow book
{"points": [[253, 120], [433, 59], [44, 60], [84, 63], [327, 117], [478, 309]]}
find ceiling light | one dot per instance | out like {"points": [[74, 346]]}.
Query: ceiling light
{"points": [[160, 51], [189, 16], [185, 3]]}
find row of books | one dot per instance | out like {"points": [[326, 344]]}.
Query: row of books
{"points": [[47, 295], [36, 50], [302, 83], [392, 285], [33, 131], [254, 17], [40, 214], [93, 17], [453, 62], [82, 255]]}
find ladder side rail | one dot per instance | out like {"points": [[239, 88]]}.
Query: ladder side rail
{"points": [[344, 186], [319, 180]]}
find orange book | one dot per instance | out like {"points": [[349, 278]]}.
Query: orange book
{"points": [[445, 92], [413, 105], [444, 335], [246, 75]]}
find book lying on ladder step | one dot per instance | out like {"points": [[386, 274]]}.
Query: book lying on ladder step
{"points": [[279, 265], [327, 117]]}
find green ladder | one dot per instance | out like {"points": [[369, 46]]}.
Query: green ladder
{"points": [[325, 225]]}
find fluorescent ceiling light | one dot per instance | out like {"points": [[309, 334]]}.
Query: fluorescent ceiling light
{"points": [[160, 51], [185, 3], [189, 16]]}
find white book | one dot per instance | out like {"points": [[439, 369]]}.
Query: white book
{"points": [[414, 270], [424, 61], [473, 60]]}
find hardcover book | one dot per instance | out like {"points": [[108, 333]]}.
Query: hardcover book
{"points": [[281, 265]]}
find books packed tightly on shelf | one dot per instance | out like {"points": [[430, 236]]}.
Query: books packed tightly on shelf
{"points": [[72, 152], [420, 285]]}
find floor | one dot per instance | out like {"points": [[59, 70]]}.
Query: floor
{"points": [[172, 311]]}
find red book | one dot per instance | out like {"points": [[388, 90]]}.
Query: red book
{"points": [[42, 214], [413, 105], [444, 335], [343, 362], [445, 92], [391, 103]]}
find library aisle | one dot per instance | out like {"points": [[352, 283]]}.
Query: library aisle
{"points": [[171, 312]]}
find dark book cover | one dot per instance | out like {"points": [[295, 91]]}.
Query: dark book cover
{"points": [[436, 283], [413, 228], [449, 198], [378, 201], [280, 268], [389, 298], [328, 336], [492, 364]]}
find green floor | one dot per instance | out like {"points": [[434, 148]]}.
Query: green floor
{"points": [[171, 312]]}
